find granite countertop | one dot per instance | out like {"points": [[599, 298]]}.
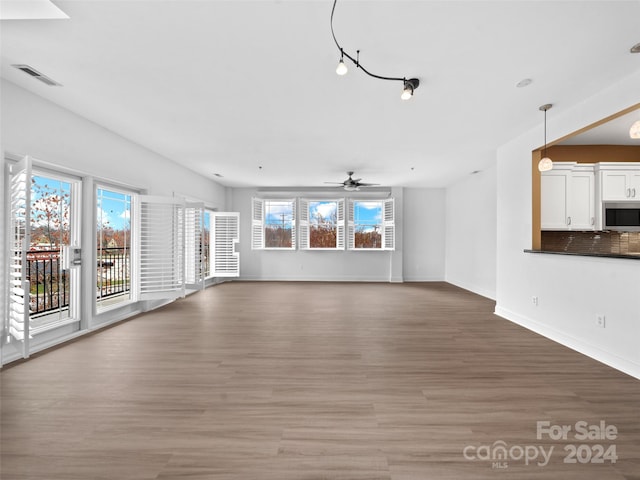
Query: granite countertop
{"points": [[629, 256]]}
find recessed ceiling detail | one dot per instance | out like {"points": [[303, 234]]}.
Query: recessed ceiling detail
{"points": [[30, 10], [37, 75]]}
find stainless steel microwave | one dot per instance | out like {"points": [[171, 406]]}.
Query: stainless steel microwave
{"points": [[621, 216]]}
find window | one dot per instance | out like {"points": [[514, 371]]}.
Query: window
{"points": [[322, 224], [113, 250], [273, 224], [371, 225]]}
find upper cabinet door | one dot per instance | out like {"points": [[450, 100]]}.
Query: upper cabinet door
{"points": [[615, 185], [581, 201], [553, 194]]}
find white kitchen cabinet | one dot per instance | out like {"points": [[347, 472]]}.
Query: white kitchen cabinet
{"points": [[567, 197], [620, 182]]}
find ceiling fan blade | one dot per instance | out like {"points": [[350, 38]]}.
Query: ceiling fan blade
{"points": [[335, 183], [367, 184], [356, 180]]}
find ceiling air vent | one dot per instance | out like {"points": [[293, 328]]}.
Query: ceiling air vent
{"points": [[37, 75]]}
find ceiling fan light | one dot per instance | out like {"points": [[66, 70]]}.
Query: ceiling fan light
{"points": [[341, 69], [545, 164], [351, 188], [634, 131]]}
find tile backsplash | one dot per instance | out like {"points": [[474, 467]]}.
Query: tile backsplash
{"points": [[617, 243]]}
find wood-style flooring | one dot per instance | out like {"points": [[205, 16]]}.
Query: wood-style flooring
{"points": [[295, 381]]}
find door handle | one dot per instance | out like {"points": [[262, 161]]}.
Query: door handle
{"points": [[628, 192], [568, 220], [593, 221]]}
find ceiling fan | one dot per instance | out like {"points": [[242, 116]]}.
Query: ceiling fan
{"points": [[353, 185]]}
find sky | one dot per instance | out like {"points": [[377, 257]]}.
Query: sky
{"points": [[365, 212], [114, 209]]}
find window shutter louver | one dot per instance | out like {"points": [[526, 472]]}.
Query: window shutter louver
{"points": [[293, 224], [194, 226], [20, 241], [304, 224], [351, 241], [161, 246], [257, 224], [225, 236], [340, 225], [389, 236]]}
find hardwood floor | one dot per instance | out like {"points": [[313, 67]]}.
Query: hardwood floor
{"points": [[313, 381]]}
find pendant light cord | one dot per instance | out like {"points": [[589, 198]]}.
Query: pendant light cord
{"points": [[545, 133], [357, 61]]}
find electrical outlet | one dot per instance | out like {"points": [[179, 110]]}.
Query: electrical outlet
{"points": [[534, 300], [600, 320]]}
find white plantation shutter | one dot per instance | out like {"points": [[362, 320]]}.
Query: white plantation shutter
{"points": [[303, 223], [293, 224], [19, 243], [340, 225], [225, 234], [351, 236], [193, 237], [161, 246], [257, 224], [388, 225]]}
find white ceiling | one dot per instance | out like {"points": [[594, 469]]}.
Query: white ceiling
{"points": [[230, 86]]}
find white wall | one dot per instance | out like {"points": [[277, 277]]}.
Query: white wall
{"points": [[571, 290], [424, 234], [43, 130], [51, 134], [471, 233]]}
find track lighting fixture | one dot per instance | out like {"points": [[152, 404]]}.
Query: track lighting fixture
{"points": [[545, 164], [409, 86]]}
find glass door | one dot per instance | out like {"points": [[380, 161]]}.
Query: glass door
{"points": [[43, 224], [54, 280]]}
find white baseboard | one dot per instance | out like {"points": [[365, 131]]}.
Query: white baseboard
{"points": [[603, 356], [423, 279], [473, 288], [317, 278]]}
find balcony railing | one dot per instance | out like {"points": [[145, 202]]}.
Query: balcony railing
{"points": [[50, 283], [114, 272]]}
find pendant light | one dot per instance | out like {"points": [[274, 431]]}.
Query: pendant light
{"points": [[546, 163], [634, 131]]}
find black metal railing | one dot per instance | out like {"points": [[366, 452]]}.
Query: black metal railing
{"points": [[114, 272], [49, 284]]}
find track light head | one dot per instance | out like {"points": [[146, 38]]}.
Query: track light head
{"points": [[409, 86], [342, 68]]}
